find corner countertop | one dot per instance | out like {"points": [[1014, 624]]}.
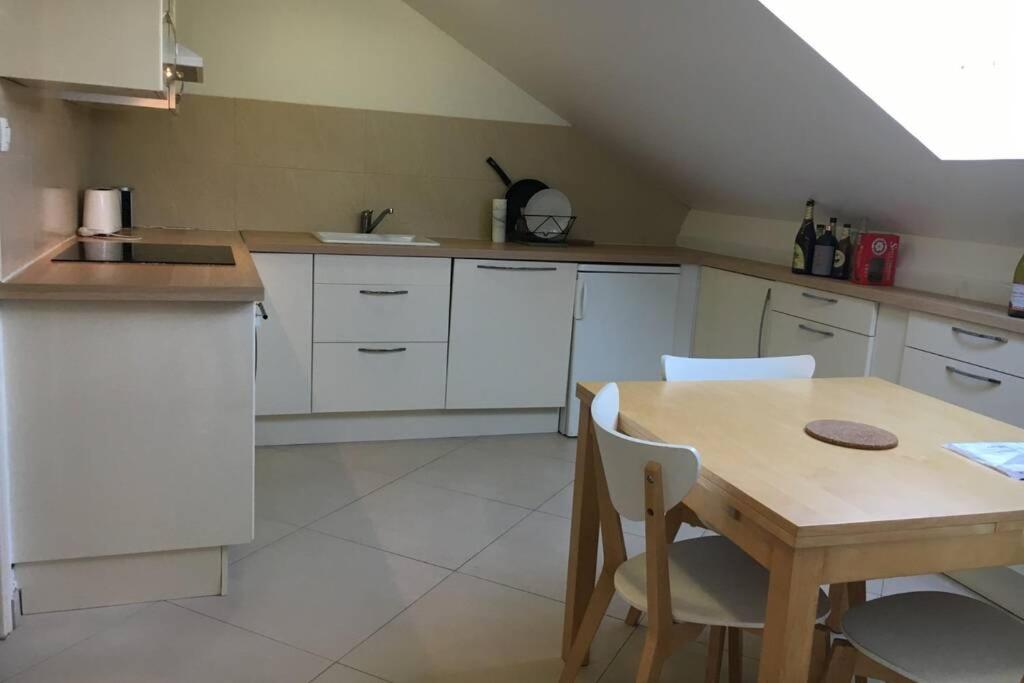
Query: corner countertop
{"points": [[44, 279], [937, 304]]}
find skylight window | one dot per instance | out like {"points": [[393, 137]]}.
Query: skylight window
{"points": [[950, 71]]}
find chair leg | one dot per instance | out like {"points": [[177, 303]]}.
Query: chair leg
{"points": [[652, 659], [716, 644], [735, 637], [820, 652], [841, 663], [633, 616], [599, 601]]}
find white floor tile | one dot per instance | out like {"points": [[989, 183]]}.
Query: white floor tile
{"points": [[552, 445], [519, 479], [40, 636], [560, 504], [267, 531], [424, 522], [468, 630], [534, 556], [394, 458], [686, 664], [339, 673], [298, 489], [317, 592], [165, 643]]}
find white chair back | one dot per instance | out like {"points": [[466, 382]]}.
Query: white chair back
{"points": [[624, 459], [675, 368]]}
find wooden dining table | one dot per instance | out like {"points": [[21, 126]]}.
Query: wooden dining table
{"points": [[810, 512]]}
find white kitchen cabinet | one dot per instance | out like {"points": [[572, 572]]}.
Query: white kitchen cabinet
{"points": [[396, 312], [112, 51], [284, 341], [982, 390], [837, 352], [511, 328], [365, 376], [730, 315]]}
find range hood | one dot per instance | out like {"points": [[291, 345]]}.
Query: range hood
{"points": [[182, 66]]}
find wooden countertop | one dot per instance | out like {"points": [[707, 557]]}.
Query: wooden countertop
{"points": [[914, 300], [44, 279]]}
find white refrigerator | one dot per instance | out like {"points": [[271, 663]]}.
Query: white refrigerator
{"points": [[625, 318]]}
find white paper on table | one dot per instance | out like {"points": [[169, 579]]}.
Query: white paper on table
{"points": [[1005, 457]]}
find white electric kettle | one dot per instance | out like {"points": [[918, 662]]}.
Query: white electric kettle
{"points": [[101, 211]]}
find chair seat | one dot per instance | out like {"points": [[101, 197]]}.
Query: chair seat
{"points": [[935, 637], [712, 582]]}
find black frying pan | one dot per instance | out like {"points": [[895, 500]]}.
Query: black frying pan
{"points": [[517, 195]]}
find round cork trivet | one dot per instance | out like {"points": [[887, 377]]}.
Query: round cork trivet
{"points": [[851, 435]]}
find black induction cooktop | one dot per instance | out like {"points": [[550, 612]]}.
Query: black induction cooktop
{"points": [[100, 251]]}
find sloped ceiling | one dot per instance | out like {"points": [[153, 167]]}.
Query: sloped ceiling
{"points": [[733, 112]]}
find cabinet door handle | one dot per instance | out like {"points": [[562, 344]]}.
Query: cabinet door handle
{"points": [[263, 310], [383, 292], [823, 333], [818, 297], [970, 375], [980, 335], [536, 268], [397, 349]]}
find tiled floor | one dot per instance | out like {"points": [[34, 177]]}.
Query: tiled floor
{"points": [[440, 560]]}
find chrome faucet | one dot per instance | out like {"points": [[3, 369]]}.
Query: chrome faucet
{"points": [[366, 222]]}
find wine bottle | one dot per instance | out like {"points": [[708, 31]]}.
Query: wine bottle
{"points": [[803, 249], [1017, 293], [841, 259], [824, 252]]}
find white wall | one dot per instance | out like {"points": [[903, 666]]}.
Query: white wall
{"points": [[362, 54], [958, 268]]}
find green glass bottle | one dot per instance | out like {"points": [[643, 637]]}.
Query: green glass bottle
{"points": [[803, 248], [1017, 291]]}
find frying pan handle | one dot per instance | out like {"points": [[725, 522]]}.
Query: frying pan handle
{"points": [[498, 169]]}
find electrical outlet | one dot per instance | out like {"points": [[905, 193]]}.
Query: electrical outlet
{"points": [[5, 135]]}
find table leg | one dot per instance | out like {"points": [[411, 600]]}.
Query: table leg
{"points": [[789, 622], [583, 539]]}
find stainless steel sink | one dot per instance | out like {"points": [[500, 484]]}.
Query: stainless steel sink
{"points": [[373, 238]]}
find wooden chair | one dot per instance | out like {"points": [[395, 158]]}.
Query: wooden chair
{"points": [[683, 586], [929, 637], [676, 368]]}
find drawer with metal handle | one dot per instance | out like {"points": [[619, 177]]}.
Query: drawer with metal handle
{"points": [[837, 352], [369, 377], [963, 341], [836, 310], [973, 387], [357, 313]]}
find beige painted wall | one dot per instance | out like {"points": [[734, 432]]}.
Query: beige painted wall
{"points": [[41, 176], [361, 54], [958, 268], [226, 163]]}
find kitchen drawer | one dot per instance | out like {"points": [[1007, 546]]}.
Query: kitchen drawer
{"points": [[984, 391], [837, 353], [984, 346], [367, 377], [845, 312], [350, 313], [381, 270]]}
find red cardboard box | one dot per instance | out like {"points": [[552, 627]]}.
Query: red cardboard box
{"points": [[874, 259]]}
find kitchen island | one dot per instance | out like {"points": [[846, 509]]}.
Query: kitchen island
{"points": [[129, 416]]}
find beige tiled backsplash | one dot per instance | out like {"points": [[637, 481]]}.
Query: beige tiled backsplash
{"points": [[41, 175], [246, 164]]}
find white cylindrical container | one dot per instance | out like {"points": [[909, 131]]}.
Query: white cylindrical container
{"points": [[101, 210], [498, 208]]}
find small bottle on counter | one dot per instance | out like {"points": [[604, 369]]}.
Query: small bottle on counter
{"points": [[841, 259], [1017, 293], [824, 251], [803, 248]]}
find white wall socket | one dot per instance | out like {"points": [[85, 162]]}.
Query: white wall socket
{"points": [[5, 135]]}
